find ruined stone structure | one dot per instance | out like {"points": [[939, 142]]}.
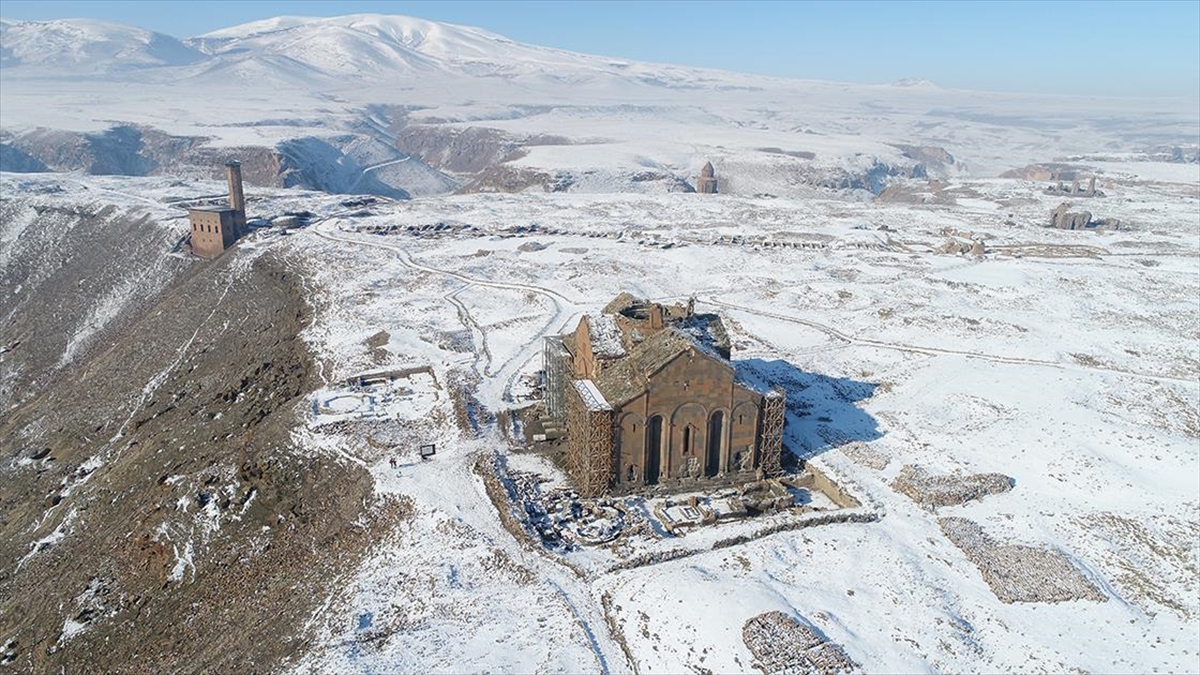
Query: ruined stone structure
{"points": [[237, 200], [706, 182], [215, 228], [650, 398], [1065, 220], [1060, 188]]}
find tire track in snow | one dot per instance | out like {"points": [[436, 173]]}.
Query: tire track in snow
{"points": [[564, 308], [484, 354], [935, 351]]}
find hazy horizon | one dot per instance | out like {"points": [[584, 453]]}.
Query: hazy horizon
{"points": [[1038, 48]]}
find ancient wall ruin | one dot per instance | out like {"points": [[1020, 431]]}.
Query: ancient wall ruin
{"points": [[212, 230]]}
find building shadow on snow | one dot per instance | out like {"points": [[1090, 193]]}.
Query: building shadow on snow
{"points": [[821, 411]]}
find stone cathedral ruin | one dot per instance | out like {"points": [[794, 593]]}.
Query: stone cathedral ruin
{"points": [[649, 397]]}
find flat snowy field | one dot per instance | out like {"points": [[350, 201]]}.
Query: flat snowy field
{"points": [[1066, 360]]}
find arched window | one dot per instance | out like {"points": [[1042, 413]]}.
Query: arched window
{"points": [[716, 436], [654, 432]]}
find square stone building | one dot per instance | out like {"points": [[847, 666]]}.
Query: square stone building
{"points": [[651, 400], [214, 229]]}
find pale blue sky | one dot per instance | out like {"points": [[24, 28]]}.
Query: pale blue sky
{"points": [[1095, 48]]}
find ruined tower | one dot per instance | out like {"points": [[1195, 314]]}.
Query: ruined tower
{"points": [[706, 183], [237, 200], [215, 228]]}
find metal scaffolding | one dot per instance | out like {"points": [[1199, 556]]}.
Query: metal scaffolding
{"points": [[773, 416], [554, 369], [589, 439]]}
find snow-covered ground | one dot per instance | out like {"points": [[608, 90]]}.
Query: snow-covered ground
{"points": [[1065, 360]]}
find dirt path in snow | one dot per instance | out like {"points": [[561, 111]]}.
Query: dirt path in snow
{"points": [[565, 309], [474, 506]]}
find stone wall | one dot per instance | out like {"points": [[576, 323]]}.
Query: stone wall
{"points": [[212, 232], [687, 394]]}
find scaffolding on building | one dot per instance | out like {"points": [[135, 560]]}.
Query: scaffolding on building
{"points": [[554, 369], [774, 413], [589, 439]]}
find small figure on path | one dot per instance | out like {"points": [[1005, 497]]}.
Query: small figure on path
{"points": [[392, 460]]}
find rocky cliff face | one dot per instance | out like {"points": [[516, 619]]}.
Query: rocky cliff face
{"points": [[933, 159], [384, 154], [12, 159], [151, 496], [345, 164], [129, 150], [461, 151]]}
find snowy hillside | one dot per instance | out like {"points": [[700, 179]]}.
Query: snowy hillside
{"points": [[371, 46], [81, 46]]}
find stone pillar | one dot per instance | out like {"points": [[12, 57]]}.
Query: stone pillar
{"points": [[237, 200]]}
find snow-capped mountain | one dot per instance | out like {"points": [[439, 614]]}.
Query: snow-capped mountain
{"points": [[363, 47], [84, 46], [360, 46]]}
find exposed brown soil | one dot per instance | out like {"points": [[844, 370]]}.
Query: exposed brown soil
{"points": [[190, 448]]}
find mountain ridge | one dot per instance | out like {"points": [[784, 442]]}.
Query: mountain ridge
{"points": [[361, 43]]}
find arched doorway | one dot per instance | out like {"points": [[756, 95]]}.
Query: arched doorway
{"points": [[654, 432], [716, 433]]}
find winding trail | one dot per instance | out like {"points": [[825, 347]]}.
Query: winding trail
{"points": [[565, 309], [474, 506], [380, 165], [484, 354], [849, 340]]}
